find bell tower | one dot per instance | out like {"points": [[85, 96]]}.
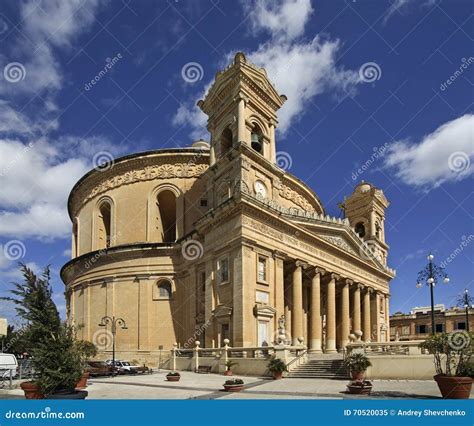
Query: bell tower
{"points": [[365, 209], [241, 105]]}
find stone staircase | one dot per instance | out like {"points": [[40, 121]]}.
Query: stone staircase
{"points": [[321, 366]]}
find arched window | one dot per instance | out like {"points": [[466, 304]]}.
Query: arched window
{"points": [[360, 229], [75, 236], [104, 223], [378, 230], [256, 139], [164, 290], [226, 141], [167, 215]]}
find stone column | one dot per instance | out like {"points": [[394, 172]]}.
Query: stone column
{"points": [[241, 121], [377, 316], [331, 315], [387, 314], [357, 322], [315, 312], [366, 331], [345, 327], [279, 289], [272, 143], [297, 308]]}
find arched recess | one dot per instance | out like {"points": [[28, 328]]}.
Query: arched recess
{"points": [[75, 238], [225, 141], [259, 140], [104, 224], [165, 222], [361, 227], [162, 289]]}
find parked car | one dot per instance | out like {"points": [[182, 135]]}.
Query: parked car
{"points": [[8, 363], [125, 367], [99, 368]]}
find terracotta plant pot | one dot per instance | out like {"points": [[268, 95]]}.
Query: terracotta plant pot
{"points": [[358, 375], [233, 388], [452, 387], [173, 378], [78, 394], [228, 373], [360, 390], [82, 383], [277, 375], [32, 390]]}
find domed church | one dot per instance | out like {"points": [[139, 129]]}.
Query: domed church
{"points": [[216, 241]]}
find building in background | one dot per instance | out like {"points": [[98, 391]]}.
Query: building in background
{"points": [[417, 324]]}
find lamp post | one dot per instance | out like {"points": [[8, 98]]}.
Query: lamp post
{"points": [[431, 273], [466, 301], [113, 322]]}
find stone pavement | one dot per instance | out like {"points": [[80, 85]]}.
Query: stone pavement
{"points": [[209, 386]]}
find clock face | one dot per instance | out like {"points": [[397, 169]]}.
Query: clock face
{"points": [[260, 189]]}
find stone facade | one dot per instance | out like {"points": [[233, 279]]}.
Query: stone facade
{"points": [[417, 324], [216, 241]]}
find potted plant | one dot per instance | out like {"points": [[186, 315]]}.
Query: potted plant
{"points": [[173, 376], [357, 363], [277, 366], [228, 365], [361, 387], [86, 350], [233, 385], [49, 341], [452, 354]]}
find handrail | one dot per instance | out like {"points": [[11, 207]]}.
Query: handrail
{"points": [[297, 358]]}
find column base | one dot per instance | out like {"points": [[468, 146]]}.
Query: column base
{"points": [[330, 351], [315, 351], [330, 347]]}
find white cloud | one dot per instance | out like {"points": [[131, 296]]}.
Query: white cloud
{"points": [[446, 155], [35, 181], [300, 69], [283, 19], [400, 5]]}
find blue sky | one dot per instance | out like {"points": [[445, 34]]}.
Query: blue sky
{"points": [[55, 125]]}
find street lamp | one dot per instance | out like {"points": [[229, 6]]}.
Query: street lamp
{"points": [[466, 301], [431, 273], [113, 322]]}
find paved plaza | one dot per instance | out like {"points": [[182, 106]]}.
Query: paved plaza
{"points": [[209, 386]]}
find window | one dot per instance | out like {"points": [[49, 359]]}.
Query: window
{"points": [[164, 290], [223, 270], [203, 202], [439, 328], [262, 297], [461, 326], [75, 242], [225, 142], [421, 329], [262, 269], [360, 229], [104, 221], [167, 214]]}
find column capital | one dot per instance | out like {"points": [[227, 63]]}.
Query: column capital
{"points": [[277, 254], [301, 264], [369, 290], [315, 270], [348, 281], [359, 286], [334, 276]]}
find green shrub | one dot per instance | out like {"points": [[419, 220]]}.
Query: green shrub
{"points": [[357, 362], [277, 365]]}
